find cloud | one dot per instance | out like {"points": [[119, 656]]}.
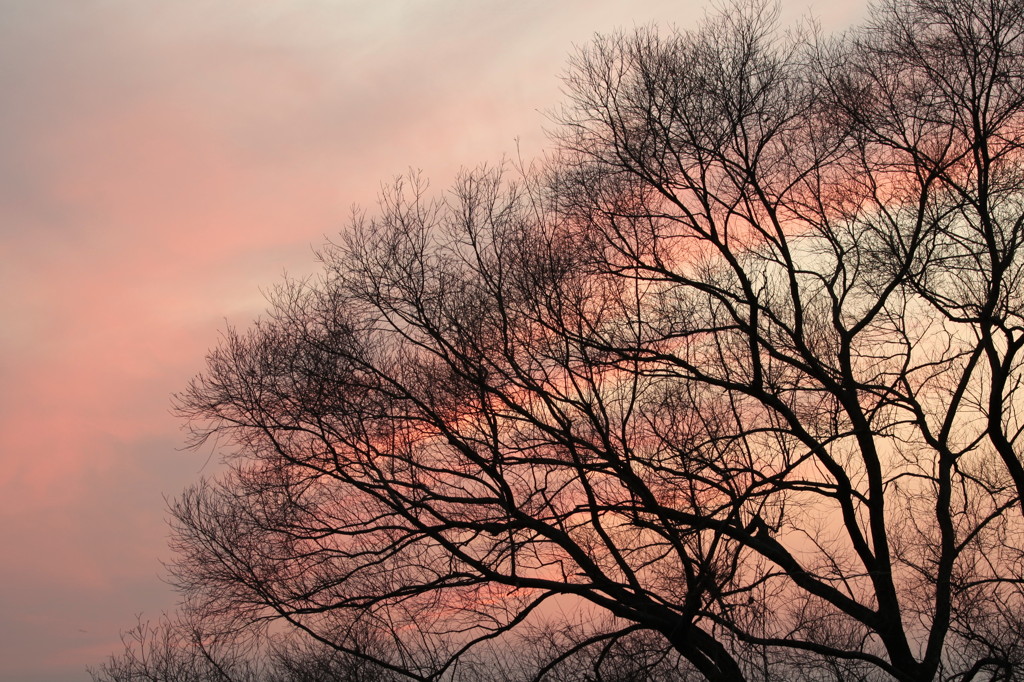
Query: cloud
{"points": [[159, 163]]}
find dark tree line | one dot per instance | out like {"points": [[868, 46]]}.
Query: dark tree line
{"points": [[727, 388]]}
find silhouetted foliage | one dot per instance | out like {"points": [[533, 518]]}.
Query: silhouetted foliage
{"points": [[735, 375]]}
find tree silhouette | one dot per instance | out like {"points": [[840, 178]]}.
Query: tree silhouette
{"points": [[735, 374]]}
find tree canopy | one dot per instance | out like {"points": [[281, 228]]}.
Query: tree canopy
{"points": [[728, 387]]}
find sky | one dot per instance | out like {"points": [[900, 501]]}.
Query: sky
{"points": [[161, 164]]}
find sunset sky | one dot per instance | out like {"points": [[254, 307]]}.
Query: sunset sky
{"points": [[161, 161]]}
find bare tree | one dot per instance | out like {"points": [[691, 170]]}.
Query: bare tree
{"points": [[188, 649], [735, 374], [178, 650], [833, 239]]}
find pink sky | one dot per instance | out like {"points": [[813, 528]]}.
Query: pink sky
{"points": [[159, 163]]}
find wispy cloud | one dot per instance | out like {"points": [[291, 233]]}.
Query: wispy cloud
{"points": [[159, 162]]}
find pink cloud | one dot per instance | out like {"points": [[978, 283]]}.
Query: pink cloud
{"points": [[160, 163]]}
